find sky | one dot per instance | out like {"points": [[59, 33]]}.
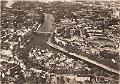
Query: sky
{"points": [[10, 2], [64, 0], [40, 0]]}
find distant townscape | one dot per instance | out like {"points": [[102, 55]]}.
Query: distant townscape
{"points": [[60, 42]]}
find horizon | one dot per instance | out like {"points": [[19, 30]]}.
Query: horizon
{"points": [[10, 2], [57, 0]]}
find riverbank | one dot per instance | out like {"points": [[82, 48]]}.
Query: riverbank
{"points": [[83, 58]]}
